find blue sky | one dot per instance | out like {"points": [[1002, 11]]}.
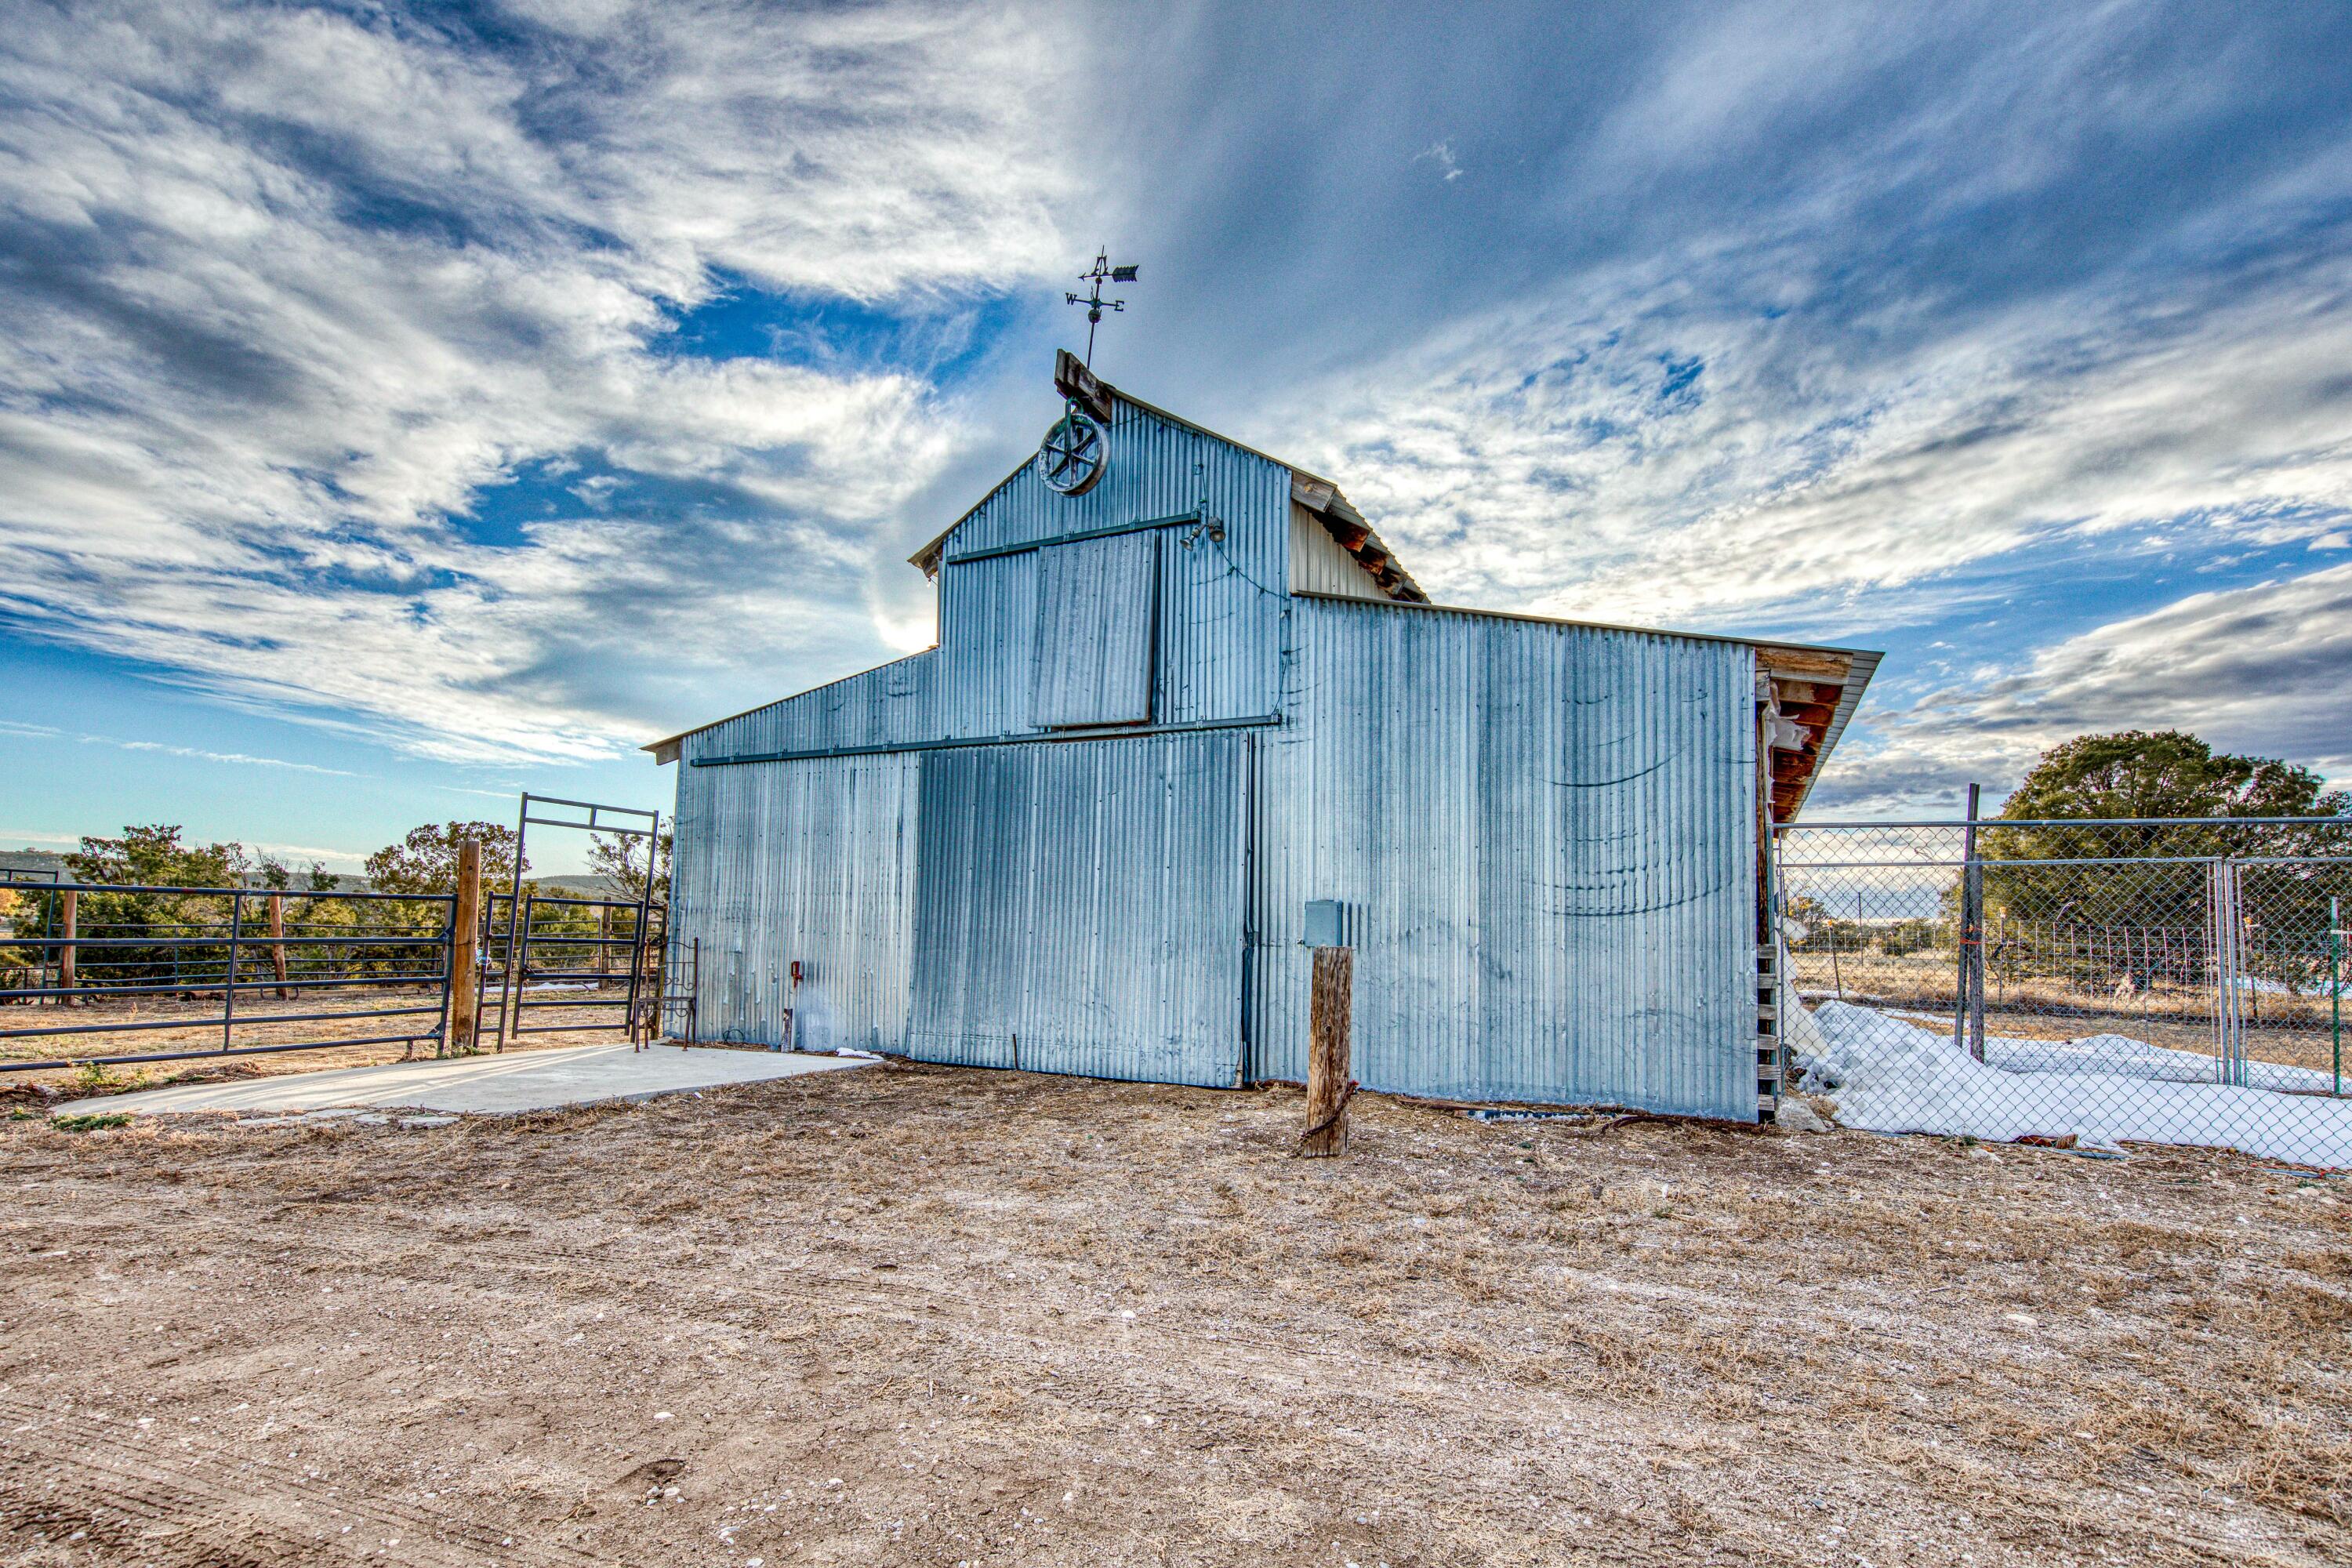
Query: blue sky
{"points": [[401, 406]]}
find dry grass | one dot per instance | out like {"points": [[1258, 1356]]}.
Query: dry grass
{"points": [[256, 1027], [925, 1315]]}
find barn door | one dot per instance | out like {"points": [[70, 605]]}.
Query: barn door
{"points": [[1078, 908]]}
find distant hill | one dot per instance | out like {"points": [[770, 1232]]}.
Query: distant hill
{"points": [[33, 866], [18, 867], [342, 881], [580, 887]]}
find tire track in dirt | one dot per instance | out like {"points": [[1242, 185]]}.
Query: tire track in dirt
{"points": [[67, 1468], [1153, 1373], [902, 1299], [915, 1304]]}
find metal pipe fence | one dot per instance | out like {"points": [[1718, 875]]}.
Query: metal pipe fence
{"points": [[68, 951], [2090, 982], [561, 946]]}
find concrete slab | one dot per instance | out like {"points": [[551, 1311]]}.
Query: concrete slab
{"points": [[493, 1085]]}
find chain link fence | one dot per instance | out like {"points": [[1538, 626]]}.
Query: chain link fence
{"points": [[2088, 983]]}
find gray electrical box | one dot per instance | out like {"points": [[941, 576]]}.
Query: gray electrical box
{"points": [[1327, 923]]}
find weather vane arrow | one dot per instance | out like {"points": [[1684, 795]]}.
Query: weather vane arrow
{"points": [[1102, 272]]}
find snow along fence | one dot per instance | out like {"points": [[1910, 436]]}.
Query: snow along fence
{"points": [[2170, 981]]}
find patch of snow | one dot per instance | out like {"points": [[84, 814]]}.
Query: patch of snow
{"points": [[2137, 1058], [2318, 987], [1889, 1076]]}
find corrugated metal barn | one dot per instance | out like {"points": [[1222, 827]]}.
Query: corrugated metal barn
{"points": [[1181, 690]]}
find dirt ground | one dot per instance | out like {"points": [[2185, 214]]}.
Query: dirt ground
{"points": [[911, 1315]]}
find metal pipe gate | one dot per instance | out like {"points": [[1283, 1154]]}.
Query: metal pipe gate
{"points": [[407, 942]]}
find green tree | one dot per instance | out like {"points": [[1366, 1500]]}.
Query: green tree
{"points": [[621, 862], [426, 860], [2168, 774], [154, 855]]}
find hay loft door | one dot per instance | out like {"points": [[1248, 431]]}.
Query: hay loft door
{"points": [[1096, 603]]}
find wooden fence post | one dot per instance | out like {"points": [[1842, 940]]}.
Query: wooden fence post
{"points": [[65, 913], [278, 942], [465, 939], [1329, 1087]]}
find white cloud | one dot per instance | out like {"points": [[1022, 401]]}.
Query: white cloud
{"points": [[2257, 670], [1657, 457], [236, 759], [1814, 391], [295, 285], [1440, 153]]}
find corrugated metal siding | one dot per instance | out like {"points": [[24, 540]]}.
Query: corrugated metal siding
{"points": [[1218, 635], [1545, 833], [1080, 907], [1318, 564], [897, 701], [803, 860], [1220, 602], [1091, 662]]}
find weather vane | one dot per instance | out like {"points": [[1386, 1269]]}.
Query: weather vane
{"points": [[1103, 272]]}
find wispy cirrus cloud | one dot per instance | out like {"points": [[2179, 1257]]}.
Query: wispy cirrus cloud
{"points": [[290, 289], [1735, 419], [161, 748], [1854, 316], [2258, 669], [233, 759]]}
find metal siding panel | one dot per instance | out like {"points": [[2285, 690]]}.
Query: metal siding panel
{"points": [[1218, 639], [1221, 600], [1548, 835], [803, 860], [1092, 641], [893, 702], [1318, 565], [1079, 909], [988, 617]]}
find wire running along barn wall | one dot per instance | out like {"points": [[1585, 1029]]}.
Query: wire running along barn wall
{"points": [[1218, 627]]}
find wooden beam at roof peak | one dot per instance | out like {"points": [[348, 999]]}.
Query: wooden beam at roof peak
{"points": [[1080, 384], [1806, 661]]}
